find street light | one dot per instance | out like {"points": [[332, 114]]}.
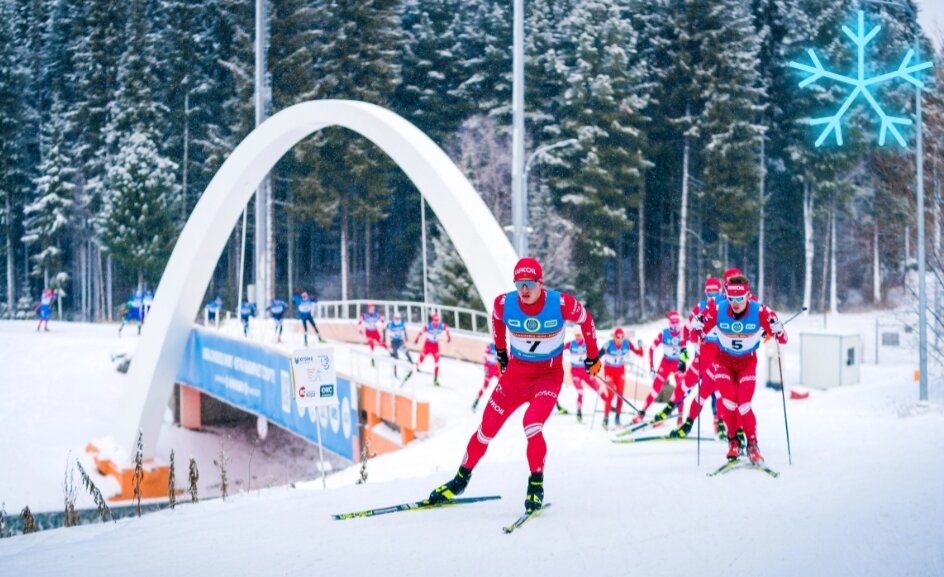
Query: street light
{"points": [[919, 185], [527, 168]]}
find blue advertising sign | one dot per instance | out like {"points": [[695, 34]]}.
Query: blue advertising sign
{"points": [[258, 380]]}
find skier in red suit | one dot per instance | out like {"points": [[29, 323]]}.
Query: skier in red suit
{"points": [[533, 318], [740, 324], [673, 340]]}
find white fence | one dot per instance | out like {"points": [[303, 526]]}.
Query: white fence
{"points": [[458, 318]]}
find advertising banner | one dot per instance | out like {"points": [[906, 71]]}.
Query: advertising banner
{"points": [[259, 380]]}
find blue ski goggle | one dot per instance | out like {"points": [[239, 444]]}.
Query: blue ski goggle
{"points": [[530, 284], [739, 299]]}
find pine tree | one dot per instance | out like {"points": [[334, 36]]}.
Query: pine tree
{"points": [[12, 136], [449, 280], [604, 110], [136, 223], [49, 215]]}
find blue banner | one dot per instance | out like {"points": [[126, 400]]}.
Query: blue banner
{"points": [[258, 380]]}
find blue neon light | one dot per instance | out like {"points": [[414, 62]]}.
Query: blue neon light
{"points": [[861, 86]]}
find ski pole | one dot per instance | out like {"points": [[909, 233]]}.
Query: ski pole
{"points": [[615, 392], [783, 396]]}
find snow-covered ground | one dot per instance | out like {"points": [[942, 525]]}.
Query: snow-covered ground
{"points": [[862, 496]]}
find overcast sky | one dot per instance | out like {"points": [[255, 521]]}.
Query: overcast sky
{"points": [[931, 16]]}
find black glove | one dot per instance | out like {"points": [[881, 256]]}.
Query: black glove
{"points": [[681, 366], [502, 355], [593, 365]]}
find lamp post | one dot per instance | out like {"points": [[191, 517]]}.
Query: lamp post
{"points": [[919, 186], [518, 207], [527, 168]]}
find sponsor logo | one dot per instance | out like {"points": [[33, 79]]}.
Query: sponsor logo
{"points": [[551, 394], [550, 324], [725, 326], [737, 327], [301, 392], [751, 327], [303, 359], [495, 406], [514, 323], [532, 325], [325, 361], [526, 270], [326, 391]]}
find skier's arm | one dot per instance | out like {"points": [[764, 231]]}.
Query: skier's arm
{"points": [[772, 325], [498, 325]]}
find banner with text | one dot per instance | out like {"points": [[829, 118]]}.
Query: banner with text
{"points": [[258, 380]]}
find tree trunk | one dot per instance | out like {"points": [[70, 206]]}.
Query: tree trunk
{"points": [[876, 267], [83, 268], [109, 289], [809, 247], [760, 232], [833, 298], [641, 245], [290, 258], [825, 275], [186, 159], [620, 298], [11, 268], [344, 219], [683, 233], [367, 258]]}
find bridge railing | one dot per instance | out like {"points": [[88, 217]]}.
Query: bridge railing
{"points": [[457, 318]]}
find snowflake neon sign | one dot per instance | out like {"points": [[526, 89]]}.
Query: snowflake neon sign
{"points": [[861, 86]]}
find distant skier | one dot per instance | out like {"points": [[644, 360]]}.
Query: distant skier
{"points": [[534, 318], [305, 308], [44, 308], [578, 372], [277, 308], [673, 340], [433, 331], [135, 311], [397, 331], [740, 324], [704, 359], [213, 309], [369, 325], [614, 371], [490, 364], [246, 310]]}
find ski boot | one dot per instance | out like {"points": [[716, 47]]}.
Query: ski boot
{"points": [[535, 497], [616, 420], [683, 430], [606, 423], [639, 417], [753, 453], [451, 489], [435, 381], [321, 340], [720, 430], [475, 404], [579, 416], [306, 339], [562, 410], [664, 413], [742, 439], [734, 448]]}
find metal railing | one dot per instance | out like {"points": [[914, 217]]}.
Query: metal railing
{"points": [[457, 318]]}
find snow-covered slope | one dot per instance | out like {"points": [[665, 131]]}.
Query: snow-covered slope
{"points": [[861, 498]]}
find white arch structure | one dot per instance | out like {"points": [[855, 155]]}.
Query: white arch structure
{"points": [[475, 233]]}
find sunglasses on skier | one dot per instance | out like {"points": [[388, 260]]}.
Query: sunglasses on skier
{"points": [[739, 299], [530, 284]]}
